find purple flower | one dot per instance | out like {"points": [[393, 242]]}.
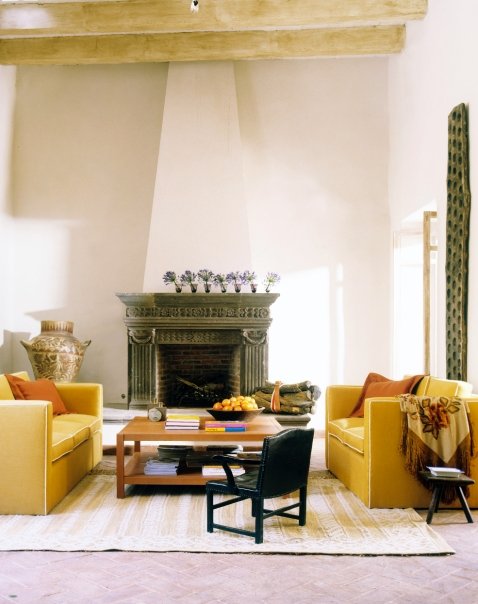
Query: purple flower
{"points": [[270, 280], [235, 277], [170, 277], [188, 277], [205, 275], [249, 277], [220, 279]]}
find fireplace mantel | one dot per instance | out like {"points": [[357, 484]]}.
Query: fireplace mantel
{"points": [[198, 311], [165, 319]]}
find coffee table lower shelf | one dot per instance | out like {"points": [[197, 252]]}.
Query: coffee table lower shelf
{"points": [[134, 474]]}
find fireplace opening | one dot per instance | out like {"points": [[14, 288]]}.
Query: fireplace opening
{"points": [[197, 375]]}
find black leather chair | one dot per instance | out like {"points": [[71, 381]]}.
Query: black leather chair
{"points": [[282, 468]]}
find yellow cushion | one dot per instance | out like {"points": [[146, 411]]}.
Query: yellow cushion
{"points": [[62, 443], [77, 433], [432, 386], [5, 390], [82, 420], [349, 431]]}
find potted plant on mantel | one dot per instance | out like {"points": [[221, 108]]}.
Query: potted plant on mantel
{"points": [[221, 281], [237, 279], [206, 277], [170, 277], [190, 278], [250, 277], [270, 280]]}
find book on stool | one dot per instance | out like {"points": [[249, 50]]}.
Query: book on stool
{"points": [[443, 472]]}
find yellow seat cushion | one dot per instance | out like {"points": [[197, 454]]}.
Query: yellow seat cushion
{"points": [[62, 443], [71, 430], [349, 431], [82, 420], [77, 433]]}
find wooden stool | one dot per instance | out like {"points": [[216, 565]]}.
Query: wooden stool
{"points": [[439, 482]]}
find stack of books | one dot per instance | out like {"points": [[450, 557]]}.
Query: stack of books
{"points": [[182, 421], [157, 467], [214, 426], [211, 470]]}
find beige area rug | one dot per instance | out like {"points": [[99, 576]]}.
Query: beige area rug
{"points": [[91, 518]]}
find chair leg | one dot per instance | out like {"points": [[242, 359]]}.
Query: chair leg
{"points": [[210, 511], [302, 505], [253, 508], [258, 505]]}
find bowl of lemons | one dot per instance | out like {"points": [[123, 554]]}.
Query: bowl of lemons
{"points": [[236, 408]]}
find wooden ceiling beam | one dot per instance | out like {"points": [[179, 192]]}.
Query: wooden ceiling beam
{"points": [[201, 46], [29, 19]]}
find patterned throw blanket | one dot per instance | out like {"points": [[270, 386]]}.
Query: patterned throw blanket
{"points": [[436, 431]]}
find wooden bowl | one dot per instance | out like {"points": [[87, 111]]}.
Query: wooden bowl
{"points": [[238, 416]]}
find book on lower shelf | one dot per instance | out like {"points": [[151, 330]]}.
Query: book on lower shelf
{"points": [[444, 472], [214, 470], [157, 467]]}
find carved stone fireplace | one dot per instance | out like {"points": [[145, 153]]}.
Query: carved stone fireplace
{"points": [[171, 334]]}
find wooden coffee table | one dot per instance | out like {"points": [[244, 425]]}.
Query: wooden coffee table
{"points": [[141, 429]]}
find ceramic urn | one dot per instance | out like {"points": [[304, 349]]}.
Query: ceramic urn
{"points": [[55, 353]]}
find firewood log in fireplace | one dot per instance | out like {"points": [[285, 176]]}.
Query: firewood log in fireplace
{"points": [[206, 394]]}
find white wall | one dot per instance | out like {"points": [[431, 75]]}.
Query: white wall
{"points": [[7, 105], [199, 189], [436, 72], [86, 145], [314, 138]]}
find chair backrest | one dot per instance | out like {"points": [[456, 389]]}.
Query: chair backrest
{"points": [[285, 462]]}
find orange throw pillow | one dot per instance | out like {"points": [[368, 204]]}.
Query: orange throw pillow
{"points": [[40, 390], [378, 385]]}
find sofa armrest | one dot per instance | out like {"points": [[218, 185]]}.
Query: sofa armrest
{"points": [[340, 401], [382, 425], [82, 397], [26, 437]]}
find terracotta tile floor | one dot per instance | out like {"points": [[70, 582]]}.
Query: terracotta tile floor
{"points": [[137, 578]]}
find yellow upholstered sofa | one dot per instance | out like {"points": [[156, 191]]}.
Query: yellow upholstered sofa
{"points": [[45, 456], [364, 453]]}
